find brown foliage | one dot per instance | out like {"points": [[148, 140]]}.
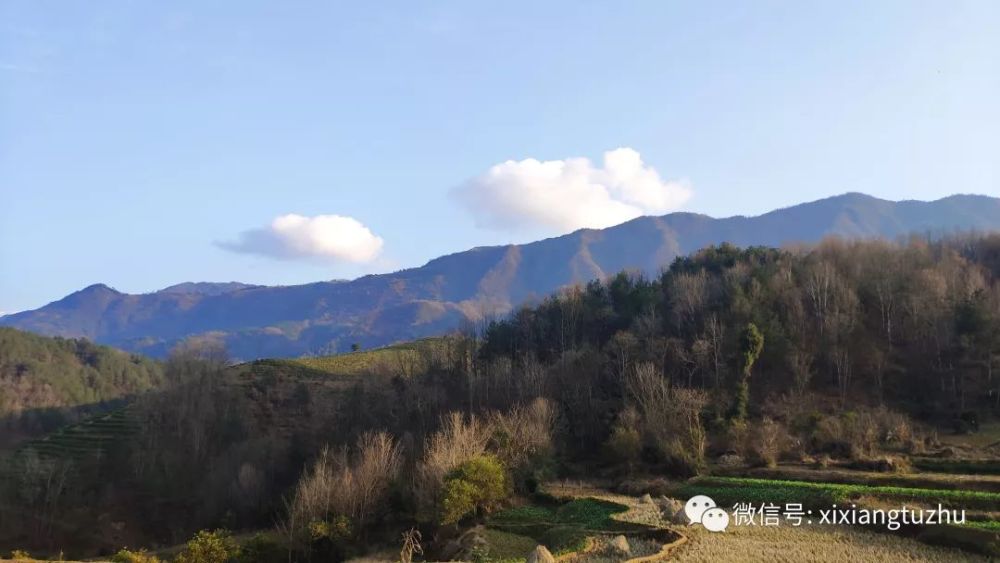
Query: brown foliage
{"points": [[354, 486]]}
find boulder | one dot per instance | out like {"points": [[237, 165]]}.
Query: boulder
{"points": [[620, 547], [680, 518], [463, 548], [646, 499], [672, 510], [540, 555], [450, 551], [731, 460], [671, 505]]}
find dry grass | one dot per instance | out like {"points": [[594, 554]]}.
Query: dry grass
{"points": [[773, 544], [986, 442], [808, 543]]}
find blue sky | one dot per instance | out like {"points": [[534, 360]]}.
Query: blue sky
{"points": [[147, 143]]}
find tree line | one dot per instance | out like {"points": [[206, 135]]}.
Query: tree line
{"points": [[915, 324]]}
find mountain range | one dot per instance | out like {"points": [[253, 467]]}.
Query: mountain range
{"points": [[326, 317]]}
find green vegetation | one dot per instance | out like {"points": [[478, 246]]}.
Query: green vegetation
{"points": [[563, 528], [507, 547], [751, 345], [740, 489], [140, 556], [410, 357], [210, 547], [47, 382], [85, 439], [478, 486]]}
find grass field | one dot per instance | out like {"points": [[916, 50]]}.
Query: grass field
{"points": [[406, 357]]}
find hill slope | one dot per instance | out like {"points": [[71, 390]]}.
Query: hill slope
{"points": [[45, 382], [378, 309]]}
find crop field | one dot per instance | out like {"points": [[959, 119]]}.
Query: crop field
{"points": [[779, 544], [90, 437], [406, 357], [979, 534], [981, 481], [562, 528], [743, 489]]}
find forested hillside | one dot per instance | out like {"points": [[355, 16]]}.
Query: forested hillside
{"points": [[916, 324], [45, 382], [845, 350]]}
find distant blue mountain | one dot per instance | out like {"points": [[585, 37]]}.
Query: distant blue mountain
{"points": [[324, 317]]}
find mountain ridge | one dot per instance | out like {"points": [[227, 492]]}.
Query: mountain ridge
{"points": [[327, 316]]}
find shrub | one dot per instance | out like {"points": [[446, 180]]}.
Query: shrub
{"points": [[860, 434], [210, 547], [263, 548], [331, 539], [522, 439], [337, 529], [671, 419], [655, 486], [883, 464], [523, 433], [20, 555], [458, 441], [141, 556], [767, 441], [356, 487], [625, 443], [478, 486]]}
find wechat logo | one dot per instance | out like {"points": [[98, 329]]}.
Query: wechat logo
{"points": [[702, 510]]}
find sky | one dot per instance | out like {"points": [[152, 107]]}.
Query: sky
{"points": [[145, 143]]}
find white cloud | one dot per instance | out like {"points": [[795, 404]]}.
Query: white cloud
{"points": [[324, 236], [569, 194]]}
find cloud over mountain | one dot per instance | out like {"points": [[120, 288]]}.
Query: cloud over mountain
{"points": [[293, 236], [569, 194]]}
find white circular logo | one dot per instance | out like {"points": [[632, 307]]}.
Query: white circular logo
{"points": [[697, 505], [715, 520]]}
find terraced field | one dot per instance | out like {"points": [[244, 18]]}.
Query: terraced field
{"points": [[744, 489], [777, 544], [88, 438], [978, 533], [408, 356], [564, 528]]}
